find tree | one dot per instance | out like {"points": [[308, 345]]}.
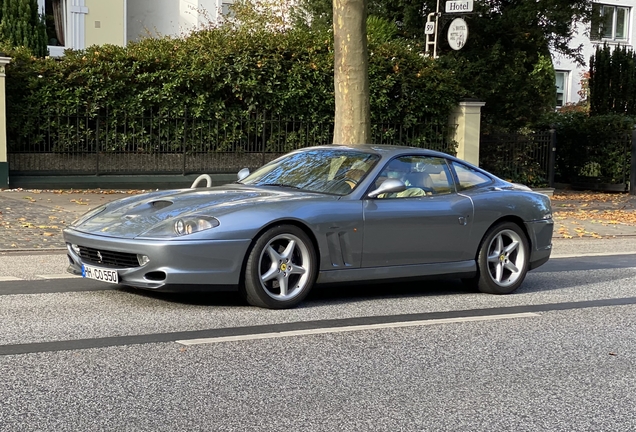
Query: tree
{"points": [[612, 82], [22, 25], [506, 61], [351, 73]]}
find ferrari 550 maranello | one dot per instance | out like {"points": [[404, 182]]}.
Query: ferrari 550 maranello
{"points": [[321, 215]]}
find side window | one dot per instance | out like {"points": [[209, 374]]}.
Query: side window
{"points": [[422, 175], [469, 177]]}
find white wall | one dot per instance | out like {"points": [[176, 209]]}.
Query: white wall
{"points": [[168, 17], [152, 17]]}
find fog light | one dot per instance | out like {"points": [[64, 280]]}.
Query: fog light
{"points": [[143, 259], [75, 248]]}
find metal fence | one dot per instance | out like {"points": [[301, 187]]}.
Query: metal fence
{"points": [[67, 144], [596, 159], [523, 158]]}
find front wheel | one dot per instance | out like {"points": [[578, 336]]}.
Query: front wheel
{"points": [[281, 268], [503, 259]]}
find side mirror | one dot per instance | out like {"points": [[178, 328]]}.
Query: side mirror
{"points": [[243, 173], [388, 186]]}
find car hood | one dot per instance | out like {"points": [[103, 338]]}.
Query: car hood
{"points": [[132, 216]]}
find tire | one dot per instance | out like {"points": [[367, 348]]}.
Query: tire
{"points": [[502, 261], [281, 268]]}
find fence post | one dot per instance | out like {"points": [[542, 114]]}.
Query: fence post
{"points": [[4, 154], [185, 137], [552, 159], [465, 125], [632, 175], [97, 145]]}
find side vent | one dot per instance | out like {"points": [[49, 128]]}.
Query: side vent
{"points": [[339, 249], [335, 254]]}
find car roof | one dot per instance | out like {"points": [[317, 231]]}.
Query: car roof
{"points": [[385, 150]]}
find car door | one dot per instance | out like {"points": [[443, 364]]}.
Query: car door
{"points": [[413, 227]]}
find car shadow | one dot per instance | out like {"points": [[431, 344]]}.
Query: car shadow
{"points": [[320, 293], [350, 293], [387, 290]]}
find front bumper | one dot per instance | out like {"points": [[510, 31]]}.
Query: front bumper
{"points": [[172, 264], [540, 233]]}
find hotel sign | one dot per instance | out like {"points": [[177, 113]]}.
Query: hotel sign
{"points": [[457, 34], [459, 6]]}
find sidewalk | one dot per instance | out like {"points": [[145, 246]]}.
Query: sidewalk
{"points": [[593, 214], [33, 220]]}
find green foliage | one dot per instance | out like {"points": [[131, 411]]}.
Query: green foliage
{"points": [[517, 86], [612, 82], [380, 30], [21, 25], [229, 74], [506, 60], [591, 146]]}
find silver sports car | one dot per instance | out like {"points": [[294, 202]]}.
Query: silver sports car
{"points": [[321, 215]]}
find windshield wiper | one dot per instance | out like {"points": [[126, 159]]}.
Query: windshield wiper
{"points": [[279, 185]]}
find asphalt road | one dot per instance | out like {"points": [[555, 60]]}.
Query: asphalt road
{"points": [[557, 355]]}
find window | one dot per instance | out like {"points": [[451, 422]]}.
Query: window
{"points": [[610, 23], [54, 15], [55, 19], [226, 9], [469, 177], [561, 88], [422, 176]]}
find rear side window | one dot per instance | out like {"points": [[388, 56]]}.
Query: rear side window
{"points": [[468, 177]]}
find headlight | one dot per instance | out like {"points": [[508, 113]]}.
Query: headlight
{"points": [[182, 226], [88, 215]]}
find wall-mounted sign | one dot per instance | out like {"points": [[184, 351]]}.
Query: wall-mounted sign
{"points": [[457, 34], [459, 6]]}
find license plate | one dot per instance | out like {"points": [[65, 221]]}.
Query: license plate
{"points": [[100, 274]]}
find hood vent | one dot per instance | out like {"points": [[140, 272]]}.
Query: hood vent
{"points": [[158, 205]]}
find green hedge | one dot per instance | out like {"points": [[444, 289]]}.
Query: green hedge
{"points": [[592, 148], [223, 74]]}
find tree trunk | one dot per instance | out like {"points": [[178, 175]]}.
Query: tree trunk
{"points": [[351, 73]]}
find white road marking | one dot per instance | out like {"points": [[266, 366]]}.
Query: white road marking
{"points": [[9, 279], [57, 276], [352, 328]]}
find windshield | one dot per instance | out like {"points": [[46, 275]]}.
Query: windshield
{"points": [[332, 171]]}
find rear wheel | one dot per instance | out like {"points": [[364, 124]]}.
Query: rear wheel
{"points": [[281, 268], [503, 259]]}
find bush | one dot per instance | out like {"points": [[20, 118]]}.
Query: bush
{"points": [[612, 82], [226, 74], [592, 147]]}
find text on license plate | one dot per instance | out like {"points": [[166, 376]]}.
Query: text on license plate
{"points": [[100, 274]]}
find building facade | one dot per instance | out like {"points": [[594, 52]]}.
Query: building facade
{"points": [[81, 23], [616, 26], [78, 24]]}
